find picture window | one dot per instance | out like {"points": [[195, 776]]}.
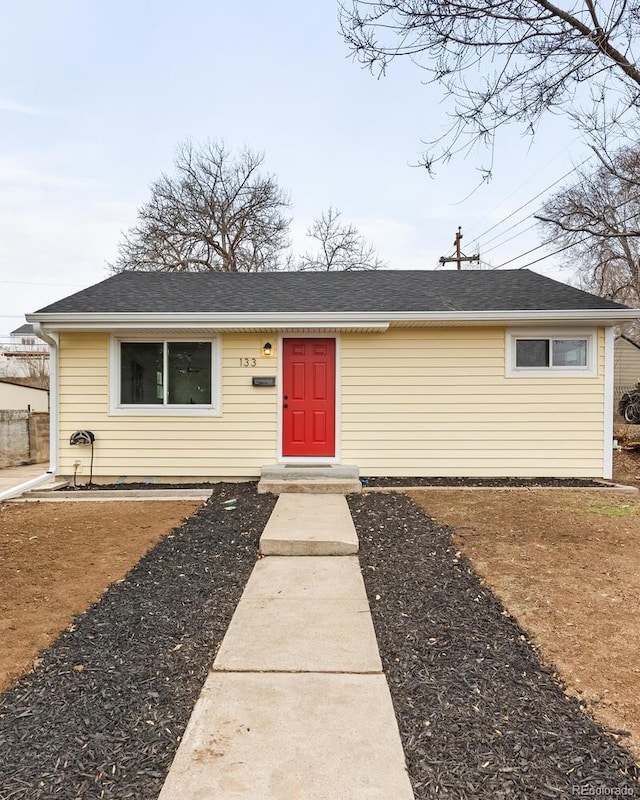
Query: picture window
{"points": [[173, 373]]}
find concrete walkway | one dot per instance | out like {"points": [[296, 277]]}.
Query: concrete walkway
{"points": [[296, 706], [14, 476], [309, 526]]}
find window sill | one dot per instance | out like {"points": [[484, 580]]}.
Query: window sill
{"points": [[166, 411]]}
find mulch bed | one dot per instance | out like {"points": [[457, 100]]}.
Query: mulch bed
{"points": [[479, 715], [567, 483], [103, 714], [563, 483]]}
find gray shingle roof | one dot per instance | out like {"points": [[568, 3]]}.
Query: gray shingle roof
{"points": [[26, 328], [300, 292]]}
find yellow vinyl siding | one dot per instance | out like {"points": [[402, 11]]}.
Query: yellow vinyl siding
{"points": [[234, 444], [435, 401], [413, 401]]}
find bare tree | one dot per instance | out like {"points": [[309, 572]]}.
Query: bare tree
{"points": [[34, 369], [504, 61], [340, 246], [597, 222], [31, 369], [217, 213]]}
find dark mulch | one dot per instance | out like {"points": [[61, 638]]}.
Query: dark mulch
{"points": [[479, 716], [567, 483], [110, 728]]}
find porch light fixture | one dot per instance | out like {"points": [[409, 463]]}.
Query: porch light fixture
{"points": [[267, 349]]}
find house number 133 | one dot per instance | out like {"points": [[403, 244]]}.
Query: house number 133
{"points": [[248, 362]]}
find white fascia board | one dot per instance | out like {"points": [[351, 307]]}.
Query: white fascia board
{"points": [[57, 321], [221, 320]]}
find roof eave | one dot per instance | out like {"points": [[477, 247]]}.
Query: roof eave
{"points": [[102, 321]]}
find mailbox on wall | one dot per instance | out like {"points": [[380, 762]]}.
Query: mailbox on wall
{"points": [[264, 380]]}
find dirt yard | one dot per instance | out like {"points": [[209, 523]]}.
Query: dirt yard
{"points": [[626, 465], [58, 558], [566, 565]]}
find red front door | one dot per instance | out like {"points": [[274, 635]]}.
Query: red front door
{"points": [[308, 397]]}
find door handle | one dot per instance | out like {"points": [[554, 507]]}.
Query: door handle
{"points": [[286, 405]]}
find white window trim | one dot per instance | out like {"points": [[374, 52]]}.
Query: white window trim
{"points": [[214, 409], [589, 371]]}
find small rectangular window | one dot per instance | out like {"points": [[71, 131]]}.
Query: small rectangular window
{"points": [[530, 354]]}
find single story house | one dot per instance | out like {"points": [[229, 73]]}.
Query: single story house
{"points": [[402, 373]]}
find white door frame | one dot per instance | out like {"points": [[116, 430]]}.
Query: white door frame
{"points": [[309, 460]]}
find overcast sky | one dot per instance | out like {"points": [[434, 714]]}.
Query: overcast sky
{"points": [[95, 97]]}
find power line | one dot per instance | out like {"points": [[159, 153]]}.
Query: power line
{"points": [[514, 226], [566, 247], [555, 253], [526, 253], [525, 182], [515, 236], [38, 283], [533, 199]]}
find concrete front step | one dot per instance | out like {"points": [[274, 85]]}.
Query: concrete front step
{"points": [[309, 486], [302, 615], [275, 736], [309, 525], [329, 479], [298, 471]]}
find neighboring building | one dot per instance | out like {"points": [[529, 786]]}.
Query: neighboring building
{"points": [[18, 395], [402, 373], [626, 370], [23, 354], [24, 337], [23, 343]]}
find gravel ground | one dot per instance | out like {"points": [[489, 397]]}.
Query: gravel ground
{"points": [[102, 715], [479, 716]]}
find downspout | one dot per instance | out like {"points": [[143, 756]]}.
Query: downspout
{"points": [[52, 341], [609, 357]]}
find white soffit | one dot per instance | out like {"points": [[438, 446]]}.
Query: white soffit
{"points": [[324, 322]]}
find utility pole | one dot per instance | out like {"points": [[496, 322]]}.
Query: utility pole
{"points": [[459, 257]]}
